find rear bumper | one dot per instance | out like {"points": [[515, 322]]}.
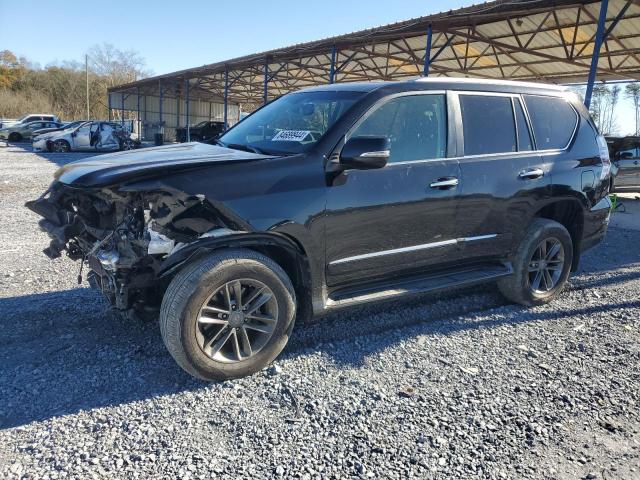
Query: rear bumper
{"points": [[596, 223]]}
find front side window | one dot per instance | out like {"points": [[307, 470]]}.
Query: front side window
{"points": [[291, 124], [488, 124], [416, 126], [553, 121]]}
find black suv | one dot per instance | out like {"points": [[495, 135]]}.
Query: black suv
{"points": [[331, 197], [200, 132]]}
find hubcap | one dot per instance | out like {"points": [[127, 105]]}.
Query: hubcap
{"points": [[237, 320], [546, 265]]}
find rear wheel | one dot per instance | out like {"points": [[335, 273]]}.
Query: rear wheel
{"points": [[15, 137], [541, 264], [61, 146], [227, 315]]}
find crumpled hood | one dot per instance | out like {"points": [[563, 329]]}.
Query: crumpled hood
{"points": [[115, 168]]}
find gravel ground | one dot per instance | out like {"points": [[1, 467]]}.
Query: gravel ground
{"points": [[461, 385]]}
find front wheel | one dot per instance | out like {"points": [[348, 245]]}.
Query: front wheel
{"points": [[15, 137], [61, 146], [541, 264], [227, 315]]}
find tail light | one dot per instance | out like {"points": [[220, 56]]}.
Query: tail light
{"points": [[604, 157]]}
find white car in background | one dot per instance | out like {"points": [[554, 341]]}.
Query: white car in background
{"points": [[28, 118], [88, 136]]}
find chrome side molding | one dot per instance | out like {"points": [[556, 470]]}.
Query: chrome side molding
{"points": [[413, 248]]}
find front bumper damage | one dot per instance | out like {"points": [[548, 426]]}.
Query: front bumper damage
{"points": [[124, 237]]}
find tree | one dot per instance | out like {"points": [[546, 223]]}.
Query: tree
{"points": [[604, 101], [632, 92]]}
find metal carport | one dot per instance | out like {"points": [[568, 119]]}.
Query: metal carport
{"points": [[561, 41]]}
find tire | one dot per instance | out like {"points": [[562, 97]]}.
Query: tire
{"points": [[127, 145], [520, 286], [198, 286], [61, 146], [15, 137]]}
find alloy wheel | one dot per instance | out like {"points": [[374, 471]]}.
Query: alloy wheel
{"points": [[237, 320], [546, 265]]}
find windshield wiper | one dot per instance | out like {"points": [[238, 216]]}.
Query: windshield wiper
{"points": [[246, 148]]}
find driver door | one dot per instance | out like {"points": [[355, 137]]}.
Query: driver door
{"points": [[400, 218], [82, 137]]}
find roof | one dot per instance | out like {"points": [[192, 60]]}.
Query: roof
{"points": [[548, 41]]}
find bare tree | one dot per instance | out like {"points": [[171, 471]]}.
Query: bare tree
{"points": [[116, 66], [632, 92]]}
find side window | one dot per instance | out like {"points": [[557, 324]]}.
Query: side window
{"points": [[553, 121], [525, 143], [488, 125], [416, 126]]}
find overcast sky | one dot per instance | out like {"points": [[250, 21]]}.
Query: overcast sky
{"points": [[173, 35]]}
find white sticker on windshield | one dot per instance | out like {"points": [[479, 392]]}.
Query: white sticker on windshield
{"points": [[290, 135]]}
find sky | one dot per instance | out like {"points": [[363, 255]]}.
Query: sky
{"points": [[170, 38]]}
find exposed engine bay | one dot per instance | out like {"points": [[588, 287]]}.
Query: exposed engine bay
{"points": [[124, 237]]}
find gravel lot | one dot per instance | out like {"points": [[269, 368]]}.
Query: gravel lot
{"points": [[460, 385]]}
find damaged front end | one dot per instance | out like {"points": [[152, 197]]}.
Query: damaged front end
{"points": [[123, 236]]}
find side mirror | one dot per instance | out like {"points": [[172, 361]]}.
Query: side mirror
{"points": [[365, 153]]}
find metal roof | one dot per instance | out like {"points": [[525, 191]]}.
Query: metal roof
{"points": [[548, 41]]}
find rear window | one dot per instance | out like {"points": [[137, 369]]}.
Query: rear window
{"points": [[553, 121], [488, 124]]}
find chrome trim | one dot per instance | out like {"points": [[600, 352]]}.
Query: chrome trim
{"points": [[450, 182], [424, 246], [376, 154], [531, 174], [479, 237]]}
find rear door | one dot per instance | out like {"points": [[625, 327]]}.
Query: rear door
{"points": [[503, 177], [396, 219]]}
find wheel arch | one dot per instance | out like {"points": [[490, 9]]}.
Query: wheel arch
{"points": [[569, 213], [284, 250]]}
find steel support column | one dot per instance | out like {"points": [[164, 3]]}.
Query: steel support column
{"points": [[160, 121], [266, 80], [122, 110], [109, 102], [427, 53], [332, 72], [138, 122], [226, 97], [596, 52], [186, 108]]}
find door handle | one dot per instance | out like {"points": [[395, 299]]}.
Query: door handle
{"points": [[444, 183], [531, 174]]}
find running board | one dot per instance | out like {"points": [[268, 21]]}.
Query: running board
{"points": [[416, 285]]}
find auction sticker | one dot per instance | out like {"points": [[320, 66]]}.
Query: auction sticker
{"points": [[290, 135]]}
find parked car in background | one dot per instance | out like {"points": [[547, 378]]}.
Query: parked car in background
{"points": [[64, 126], [201, 132], [30, 117], [625, 155], [88, 136], [336, 196], [24, 131]]}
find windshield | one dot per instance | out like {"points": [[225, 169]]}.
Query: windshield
{"points": [[291, 124], [201, 124]]}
